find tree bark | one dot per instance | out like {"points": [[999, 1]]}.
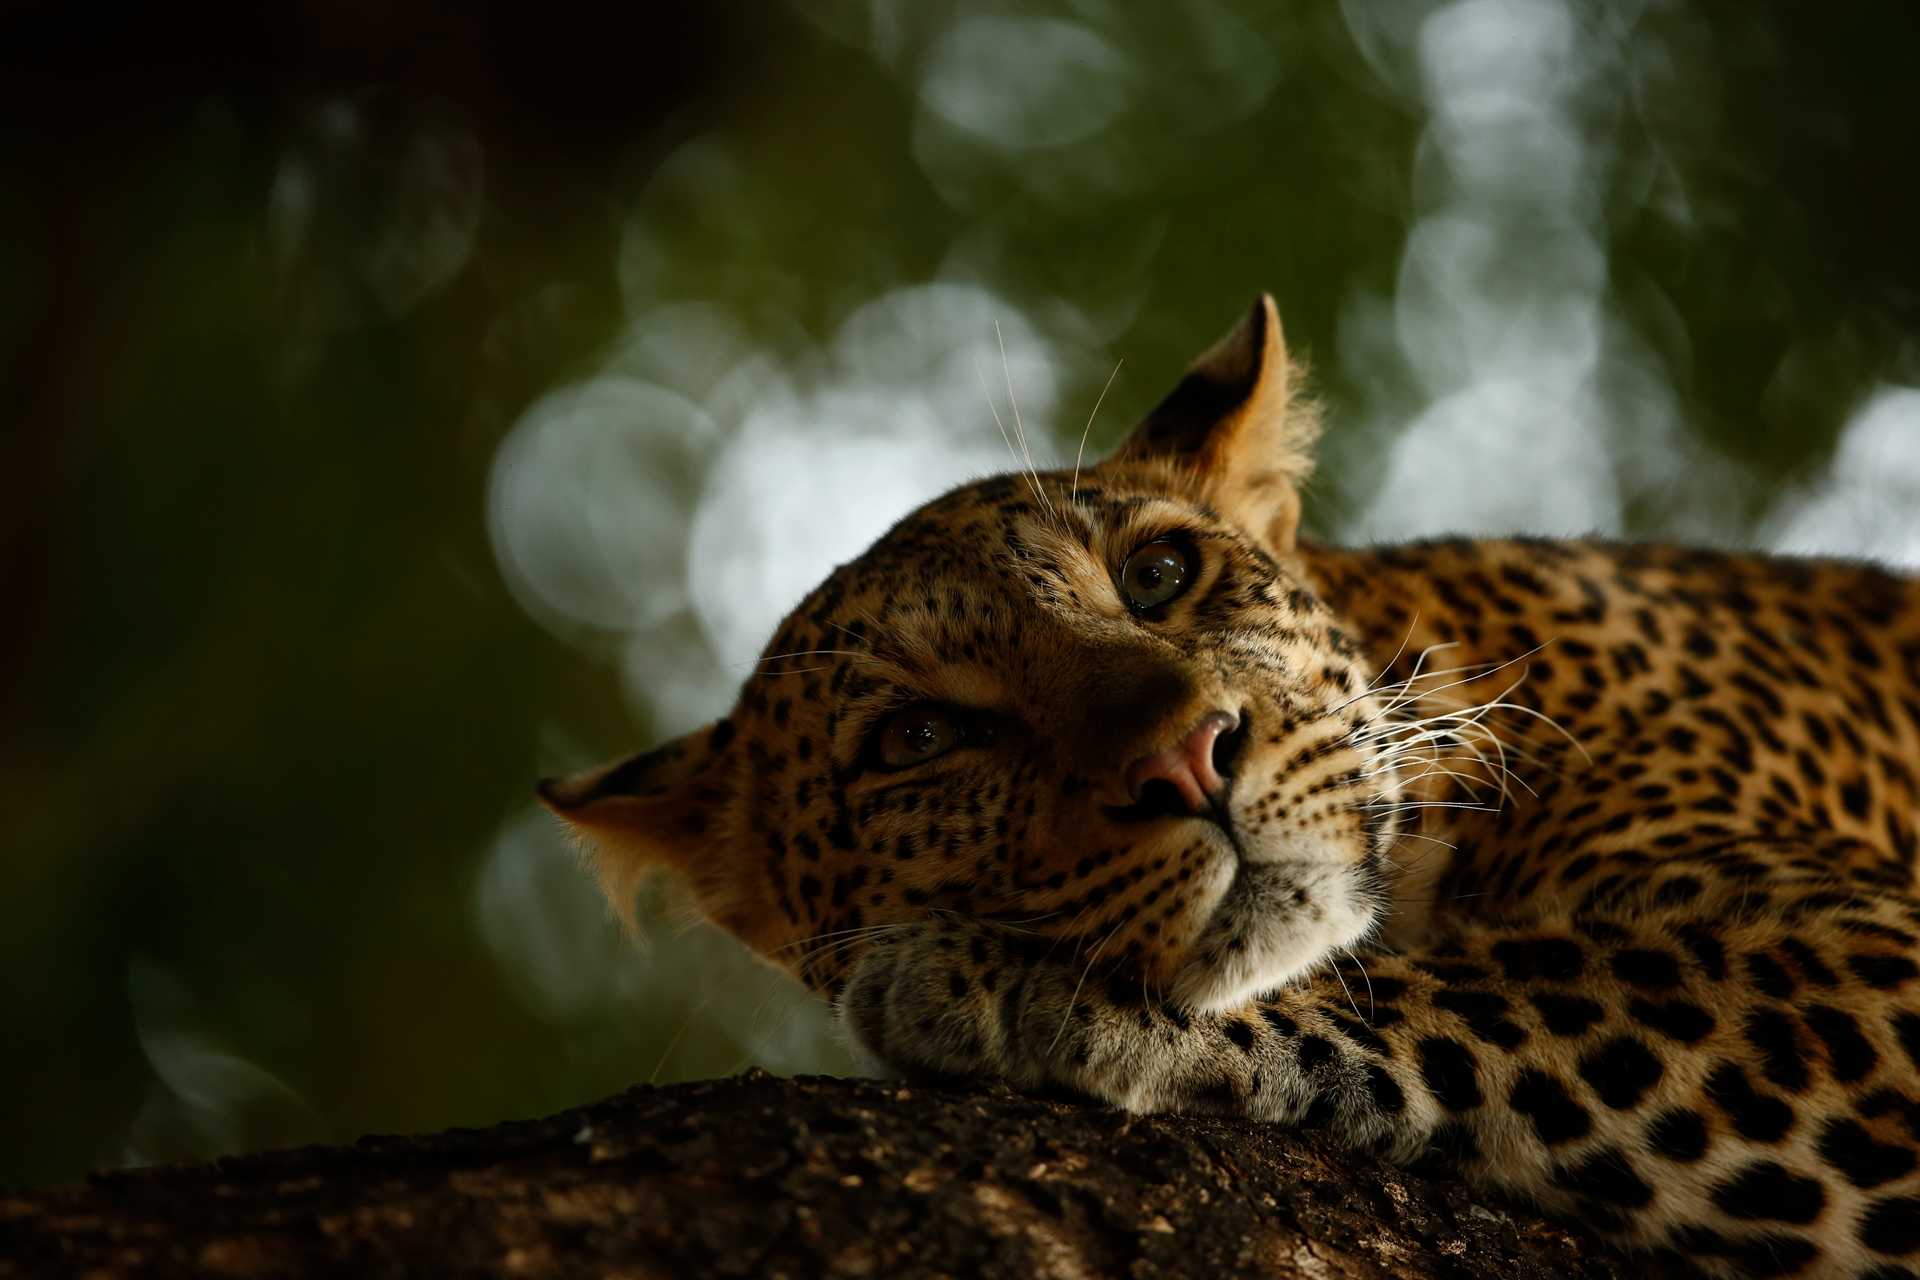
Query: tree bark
{"points": [[758, 1176]]}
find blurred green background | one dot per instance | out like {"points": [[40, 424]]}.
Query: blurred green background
{"points": [[398, 402]]}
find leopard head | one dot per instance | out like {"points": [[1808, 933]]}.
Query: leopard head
{"points": [[1108, 708]]}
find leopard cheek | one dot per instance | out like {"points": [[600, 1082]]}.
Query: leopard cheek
{"points": [[1168, 940], [929, 843]]}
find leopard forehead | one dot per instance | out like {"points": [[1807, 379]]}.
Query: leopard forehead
{"points": [[1002, 597]]}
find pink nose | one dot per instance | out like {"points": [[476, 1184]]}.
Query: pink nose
{"points": [[1188, 765]]}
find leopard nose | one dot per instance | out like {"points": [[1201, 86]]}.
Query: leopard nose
{"points": [[1187, 765]]}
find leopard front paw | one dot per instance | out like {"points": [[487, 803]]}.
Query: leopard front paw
{"points": [[935, 999], [962, 997]]}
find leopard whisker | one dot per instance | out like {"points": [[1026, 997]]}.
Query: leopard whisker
{"points": [[1470, 775], [793, 1007], [1479, 674], [1032, 485], [1551, 723], [1470, 730], [801, 653], [1460, 713], [1374, 684], [1477, 714], [776, 657], [686, 1023], [1458, 734], [1387, 804], [1398, 685], [1401, 870], [818, 945], [1066, 1014], [1341, 978], [1092, 958], [1006, 368], [798, 1002], [1404, 691], [1369, 981], [1073, 491], [1425, 748], [1506, 743], [1025, 920], [1407, 806], [838, 933], [876, 639], [1430, 839], [1467, 780]]}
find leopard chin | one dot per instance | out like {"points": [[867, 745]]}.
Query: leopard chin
{"points": [[1277, 922]]}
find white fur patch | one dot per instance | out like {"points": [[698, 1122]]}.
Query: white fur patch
{"points": [[1278, 920]]}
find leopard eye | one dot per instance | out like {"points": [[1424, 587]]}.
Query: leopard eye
{"points": [[1154, 574], [916, 734]]}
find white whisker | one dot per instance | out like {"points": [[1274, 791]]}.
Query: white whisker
{"points": [[1011, 451], [1351, 1003], [1018, 426], [1074, 491], [1368, 978]]}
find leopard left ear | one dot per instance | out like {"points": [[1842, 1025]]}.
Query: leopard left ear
{"points": [[660, 808], [1236, 431]]}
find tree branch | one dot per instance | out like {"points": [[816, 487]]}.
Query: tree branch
{"points": [[758, 1176]]}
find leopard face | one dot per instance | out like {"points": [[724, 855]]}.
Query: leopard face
{"points": [[1107, 708]]}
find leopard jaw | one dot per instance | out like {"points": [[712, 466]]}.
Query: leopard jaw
{"points": [[1276, 921]]}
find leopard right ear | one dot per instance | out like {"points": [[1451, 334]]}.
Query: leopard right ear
{"points": [[1236, 432], [659, 808]]}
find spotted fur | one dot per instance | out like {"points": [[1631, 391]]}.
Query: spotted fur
{"points": [[1582, 870]]}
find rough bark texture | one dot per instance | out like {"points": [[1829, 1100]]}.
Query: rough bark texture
{"points": [[758, 1176]]}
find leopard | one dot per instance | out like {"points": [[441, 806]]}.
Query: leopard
{"points": [[1578, 869]]}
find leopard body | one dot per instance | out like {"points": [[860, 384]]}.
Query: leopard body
{"points": [[1581, 869]]}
